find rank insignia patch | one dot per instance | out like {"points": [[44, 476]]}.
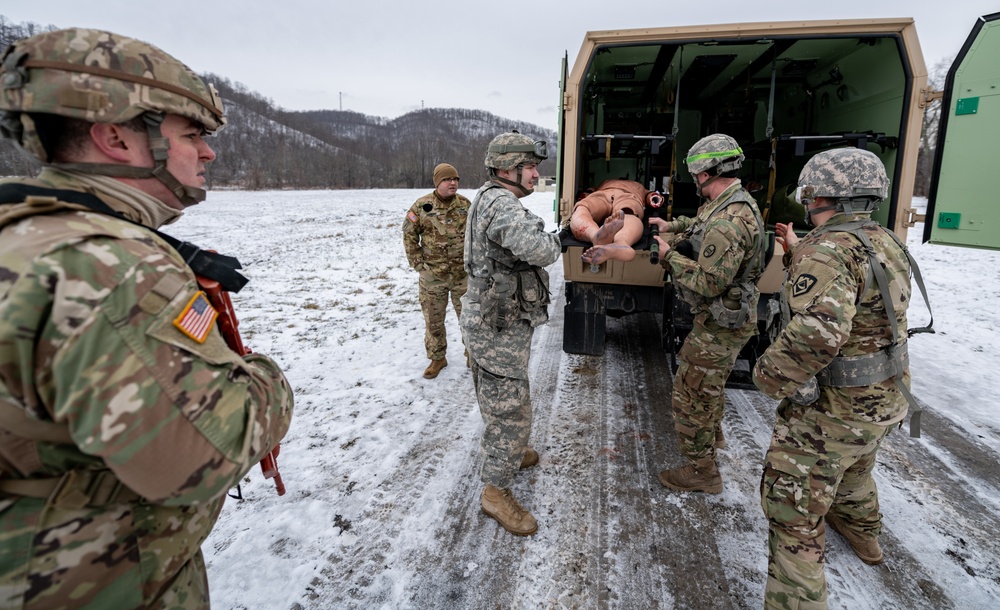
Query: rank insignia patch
{"points": [[197, 318], [803, 284], [412, 217]]}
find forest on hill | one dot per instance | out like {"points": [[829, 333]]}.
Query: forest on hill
{"points": [[266, 147]]}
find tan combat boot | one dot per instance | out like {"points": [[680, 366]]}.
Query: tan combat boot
{"points": [[700, 475], [866, 548], [720, 439], [434, 368], [530, 458], [501, 505]]}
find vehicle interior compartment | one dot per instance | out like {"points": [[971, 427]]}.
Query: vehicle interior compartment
{"points": [[643, 105]]}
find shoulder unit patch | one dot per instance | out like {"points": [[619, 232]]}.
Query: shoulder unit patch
{"points": [[803, 284], [197, 317]]}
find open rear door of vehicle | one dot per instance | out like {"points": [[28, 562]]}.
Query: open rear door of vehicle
{"points": [[962, 208], [560, 150]]}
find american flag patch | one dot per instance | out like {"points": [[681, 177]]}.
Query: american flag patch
{"points": [[412, 217], [197, 318]]}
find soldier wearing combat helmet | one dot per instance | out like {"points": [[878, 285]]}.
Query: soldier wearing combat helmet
{"points": [[506, 248], [714, 263], [839, 367], [124, 416]]}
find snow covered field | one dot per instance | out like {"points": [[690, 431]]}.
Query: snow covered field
{"points": [[381, 465]]}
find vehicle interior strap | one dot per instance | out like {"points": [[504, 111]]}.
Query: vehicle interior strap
{"points": [[772, 171], [772, 165], [673, 136]]}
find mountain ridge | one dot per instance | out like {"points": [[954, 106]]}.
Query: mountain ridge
{"points": [[264, 146]]}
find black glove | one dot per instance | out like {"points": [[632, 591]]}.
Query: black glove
{"points": [[684, 248]]}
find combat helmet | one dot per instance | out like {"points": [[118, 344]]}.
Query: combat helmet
{"points": [[715, 154], [852, 178], [513, 150], [101, 77]]}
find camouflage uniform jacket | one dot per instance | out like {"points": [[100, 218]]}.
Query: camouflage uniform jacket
{"points": [[730, 243], [504, 236], [837, 310], [434, 235], [88, 344]]}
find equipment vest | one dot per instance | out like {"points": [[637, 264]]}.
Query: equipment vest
{"points": [[731, 309], [890, 362], [506, 292]]}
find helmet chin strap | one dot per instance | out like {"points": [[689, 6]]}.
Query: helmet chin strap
{"points": [[700, 188], [840, 205], [159, 147], [812, 211], [524, 191]]}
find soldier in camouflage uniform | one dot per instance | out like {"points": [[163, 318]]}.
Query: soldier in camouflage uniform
{"points": [[840, 368], [506, 248], [714, 264], [434, 236], [124, 416]]}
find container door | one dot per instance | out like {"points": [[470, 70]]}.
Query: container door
{"points": [[962, 208], [562, 128]]}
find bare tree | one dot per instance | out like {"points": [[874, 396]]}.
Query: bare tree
{"points": [[929, 128]]}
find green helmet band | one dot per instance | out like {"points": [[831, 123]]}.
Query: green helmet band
{"points": [[725, 154]]}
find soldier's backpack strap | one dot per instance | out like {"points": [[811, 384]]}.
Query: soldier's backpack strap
{"points": [[472, 217], [897, 351], [17, 421], [212, 265], [758, 261], [74, 490], [739, 291], [915, 269]]}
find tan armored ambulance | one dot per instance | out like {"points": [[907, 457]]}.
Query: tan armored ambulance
{"points": [[636, 100]]}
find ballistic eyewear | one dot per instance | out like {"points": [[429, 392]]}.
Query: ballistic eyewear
{"points": [[538, 148]]}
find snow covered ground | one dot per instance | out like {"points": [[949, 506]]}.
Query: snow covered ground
{"points": [[382, 509]]}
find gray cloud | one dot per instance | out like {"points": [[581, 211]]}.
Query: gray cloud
{"points": [[391, 56]]}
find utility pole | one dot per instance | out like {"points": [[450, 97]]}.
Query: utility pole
{"points": [[341, 101]]}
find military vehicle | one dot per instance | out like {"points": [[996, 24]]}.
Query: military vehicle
{"points": [[636, 100]]}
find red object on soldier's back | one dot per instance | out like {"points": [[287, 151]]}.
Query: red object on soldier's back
{"points": [[229, 327]]}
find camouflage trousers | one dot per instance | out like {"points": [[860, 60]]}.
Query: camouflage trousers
{"points": [[505, 404], [816, 464], [704, 363], [434, 293]]}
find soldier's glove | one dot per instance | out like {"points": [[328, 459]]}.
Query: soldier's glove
{"points": [[806, 394], [685, 248]]}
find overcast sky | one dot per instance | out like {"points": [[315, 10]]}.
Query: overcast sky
{"points": [[389, 57]]}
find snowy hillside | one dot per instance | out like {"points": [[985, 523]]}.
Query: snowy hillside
{"points": [[381, 465]]}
